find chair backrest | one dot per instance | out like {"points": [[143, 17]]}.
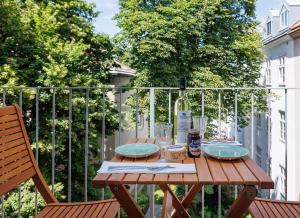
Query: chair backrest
{"points": [[17, 163]]}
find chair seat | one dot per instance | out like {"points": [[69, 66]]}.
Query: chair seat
{"points": [[106, 208], [273, 208]]}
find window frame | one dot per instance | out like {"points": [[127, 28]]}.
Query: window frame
{"points": [[282, 125], [284, 18], [269, 28], [282, 70]]}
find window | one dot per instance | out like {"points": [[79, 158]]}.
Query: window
{"points": [[282, 69], [269, 28], [268, 73], [283, 182], [282, 125], [284, 19]]}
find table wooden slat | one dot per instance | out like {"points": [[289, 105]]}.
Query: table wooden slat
{"points": [[190, 177], [146, 178], [203, 171], [265, 180], [116, 178], [245, 173], [231, 173], [176, 178], [217, 172], [161, 178]]}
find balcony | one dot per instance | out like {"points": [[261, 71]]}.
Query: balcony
{"points": [[74, 129]]}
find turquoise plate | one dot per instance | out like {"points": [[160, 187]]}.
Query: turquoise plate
{"points": [[225, 151], [137, 150]]}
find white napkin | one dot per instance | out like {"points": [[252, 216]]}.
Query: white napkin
{"points": [[178, 167]]}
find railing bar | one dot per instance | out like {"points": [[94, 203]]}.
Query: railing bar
{"points": [[235, 131], [152, 112], [19, 187], [269, 138], [252, 126], [219, 126], [236, 117], [152, 121], [219, 114], [120, 120], [285, 141], [170, 106], [203, 187], [53, 139], [86, 143], [136, 129], [120, 114], [2, 197], [103, 137], [2, 206], [219, 201], [203, 203], [136, 113], [202, 103], [4, 97], [70, 148], [36, 140]]}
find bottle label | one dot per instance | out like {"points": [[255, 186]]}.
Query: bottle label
{"points": [[183, 125], [195, 147]]}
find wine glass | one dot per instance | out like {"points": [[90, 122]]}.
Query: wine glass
{"points": [[199, 123], [163, 135]]}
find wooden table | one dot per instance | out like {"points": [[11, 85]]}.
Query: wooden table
{"points": [[210, 171]]}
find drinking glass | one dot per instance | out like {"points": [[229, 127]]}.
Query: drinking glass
{"points": [[163, 135], [199, 123]]}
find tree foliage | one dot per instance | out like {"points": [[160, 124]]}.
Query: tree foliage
{"points": [[52, 43], [212, 43]]}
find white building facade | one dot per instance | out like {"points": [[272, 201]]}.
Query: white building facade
{"points": [[281, 69]]}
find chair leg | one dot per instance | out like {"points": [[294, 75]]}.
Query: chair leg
{"points": [[241, 204], [126, 201]]}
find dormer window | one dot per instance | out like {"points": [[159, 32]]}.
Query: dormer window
{"points": [[284, 18], [269, 28]]}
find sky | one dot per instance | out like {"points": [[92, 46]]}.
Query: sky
{"points": [[108, 8]]}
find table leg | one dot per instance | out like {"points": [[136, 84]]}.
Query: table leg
{"points": [[186, 202], [191, 195], [182, 213], [241, 204], [126, 201]]}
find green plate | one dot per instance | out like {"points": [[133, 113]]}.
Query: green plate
{"points": [[137, 150], [225, 151]]}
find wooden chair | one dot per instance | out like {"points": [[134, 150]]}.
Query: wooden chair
{"points": [[17, 164], [274, 208]]}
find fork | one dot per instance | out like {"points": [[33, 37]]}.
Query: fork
{"points": [[139, 167]]}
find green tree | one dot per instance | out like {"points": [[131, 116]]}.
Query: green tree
{"points": [[52, 43]]}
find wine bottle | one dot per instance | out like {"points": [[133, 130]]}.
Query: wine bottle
{"points": [[182, 115]]}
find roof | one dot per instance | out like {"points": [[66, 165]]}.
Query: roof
{"points": [[295, 29], [121, 69]]}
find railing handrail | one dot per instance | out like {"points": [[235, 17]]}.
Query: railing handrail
{"points": [[148, 88]]}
